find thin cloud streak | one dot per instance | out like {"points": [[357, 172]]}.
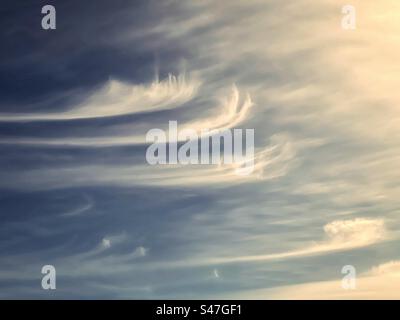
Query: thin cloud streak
{"points": [[116, 98]]}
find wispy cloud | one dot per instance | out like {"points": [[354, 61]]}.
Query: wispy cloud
{"points": [[116, 98], [340, 235]]}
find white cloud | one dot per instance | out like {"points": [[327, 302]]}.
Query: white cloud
{"points": [[230, 112], [106, 243], [270, 162], [140, 252], [116, 98], [340, 235]]}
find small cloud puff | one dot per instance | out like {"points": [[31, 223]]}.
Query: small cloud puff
{"points": [[106, 243], [140, 252]]}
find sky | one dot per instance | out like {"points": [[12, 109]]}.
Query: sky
{"points": [[77, 193]]}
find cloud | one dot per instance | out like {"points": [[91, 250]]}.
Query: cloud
{"points": [[270, 162], [379, 283], [216, 274], [81, 209], [231, 113], [116, 98], [106, 243], [355, 233], [139, 252], [340, 235], [165, 95]]}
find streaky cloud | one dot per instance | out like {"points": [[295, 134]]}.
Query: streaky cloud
{"points": [[117, 98], [230, 113], [270, 162], [340, 235]]}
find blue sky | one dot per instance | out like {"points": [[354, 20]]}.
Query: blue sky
{"points": [[76, 191]]}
